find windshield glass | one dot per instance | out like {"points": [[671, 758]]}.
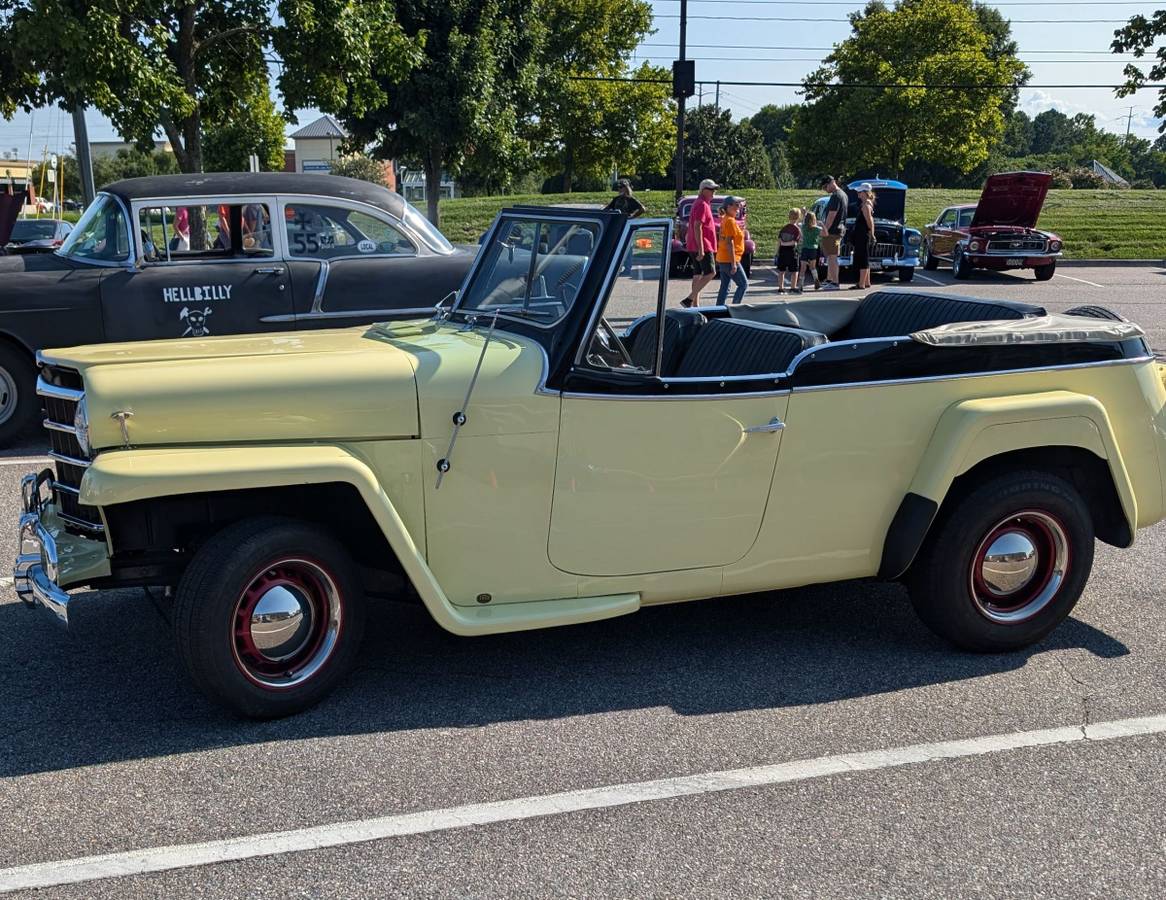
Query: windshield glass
{"points": [[100, 233], [423, 227], [33, 230], [533, 267]]}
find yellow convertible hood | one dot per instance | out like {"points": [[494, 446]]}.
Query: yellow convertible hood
{"points": [[342, 384]]}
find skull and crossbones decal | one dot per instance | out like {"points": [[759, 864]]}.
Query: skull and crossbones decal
{"points": [[195, 321]]}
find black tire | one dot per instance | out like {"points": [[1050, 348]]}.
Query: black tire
{"points": [[906, 273], [930, 261], [961, 597], [1095, 312], [1044, 273], [239, 569], [961, 268], [18, 402], [747, 264]]}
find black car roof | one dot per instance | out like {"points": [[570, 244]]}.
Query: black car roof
{"points": [[228, 183]]}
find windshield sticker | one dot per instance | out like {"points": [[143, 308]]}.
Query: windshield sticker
{"points": [[200, 293], [195, 321], [367, 246]]}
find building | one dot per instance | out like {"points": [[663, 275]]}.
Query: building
{"points": [[413, 186], [318, 145], [1108, 175]]}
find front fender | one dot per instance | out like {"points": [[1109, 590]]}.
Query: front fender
{"points": [[972, 431], [130, 475]]}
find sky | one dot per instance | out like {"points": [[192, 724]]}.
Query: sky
{"points": [[725, 38]]}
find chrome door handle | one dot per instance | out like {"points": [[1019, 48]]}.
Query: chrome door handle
{"points": [[269, 270], [774, 424]]}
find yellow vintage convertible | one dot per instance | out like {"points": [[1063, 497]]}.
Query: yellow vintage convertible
{"points": [[558, 446]]}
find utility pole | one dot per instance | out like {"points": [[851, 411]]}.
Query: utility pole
{"points": [[700, 96], [84, 160], [682, 77], [718, 101], [1129, 122]]}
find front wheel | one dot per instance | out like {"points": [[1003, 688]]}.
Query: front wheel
{"points": [[1005, 564], [930, 262], [1044, 273], [961, 266], [906, 273], [18, 403], [269, 616]]}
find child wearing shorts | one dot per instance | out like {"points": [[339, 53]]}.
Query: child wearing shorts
{"points": [[811, 239], [789, 239]]}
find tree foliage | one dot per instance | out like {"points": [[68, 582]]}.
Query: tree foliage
{"points": [[866, 107], [731, 153], [255, 127], [775, 124], [183, 65], [360, 166], [1138, 37]]}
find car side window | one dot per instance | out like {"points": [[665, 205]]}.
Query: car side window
{"points": [[331, 232], [966, 216], [947, 219], [624, 339], [205, 231], [100, 234]]}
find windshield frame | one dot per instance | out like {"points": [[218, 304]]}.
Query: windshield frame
{"points": [[414, 221], [93, 210], [541, 217]]}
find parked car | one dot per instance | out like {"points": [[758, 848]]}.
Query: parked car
{"points": [[999, 232], [194, 255], [514, 460], [896, 247], [681, 262], [37, 235]]}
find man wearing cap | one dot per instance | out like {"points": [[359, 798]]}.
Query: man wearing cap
{"points": [[701, 241], [834, 224]]}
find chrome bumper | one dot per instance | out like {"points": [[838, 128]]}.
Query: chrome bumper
{"points": [[37, 564]]}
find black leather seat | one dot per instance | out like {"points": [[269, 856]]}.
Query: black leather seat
{"points": [[680, 327], [735, 347], [894, 313]]}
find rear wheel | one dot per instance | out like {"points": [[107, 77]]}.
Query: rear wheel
{"points": [[18, 403], [1005, 564], [1044, 273], [269, 616], [961, 266], [1095, 312]]}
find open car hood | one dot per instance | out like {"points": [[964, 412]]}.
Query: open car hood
{"points": [[890, 204], [1013, 198]]}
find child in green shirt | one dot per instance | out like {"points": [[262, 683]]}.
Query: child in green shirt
{"points": [[811, 236]]}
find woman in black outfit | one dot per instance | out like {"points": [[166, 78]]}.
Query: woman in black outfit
{"points": [[863, 235]]}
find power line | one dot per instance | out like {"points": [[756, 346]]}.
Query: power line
{"points": [[721, 46], [746, 19], [859, 7], [879, 86], [807, 59]]}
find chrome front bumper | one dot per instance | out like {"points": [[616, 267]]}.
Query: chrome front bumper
{"points": [[38, 567]]}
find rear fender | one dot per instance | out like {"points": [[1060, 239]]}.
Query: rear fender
{"points": [[972, 431]]}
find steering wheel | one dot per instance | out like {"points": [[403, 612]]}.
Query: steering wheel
{"points": [[611, 342]]}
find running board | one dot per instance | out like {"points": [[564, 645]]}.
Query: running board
{"points": [[542, 613]]}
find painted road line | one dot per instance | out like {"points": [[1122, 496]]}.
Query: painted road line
{"points": [[181, 856], [26, 461], [1081, 280], [925, 278]]}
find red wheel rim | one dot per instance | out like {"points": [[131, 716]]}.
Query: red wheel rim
{"points": [[286, 623], [1019, 566]]}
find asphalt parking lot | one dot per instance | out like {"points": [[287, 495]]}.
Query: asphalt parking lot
{"points": [[866, 757]]}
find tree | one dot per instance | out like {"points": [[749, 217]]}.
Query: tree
{"points": [[1052, 132], [255, 126], [870, 105], [774, 122], [783, 176], [1018, 134], [134, 163], [362, 167], [1137, 37], [182, 65], [732, 153]]}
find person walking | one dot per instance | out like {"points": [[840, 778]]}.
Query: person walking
{"points": [[624, 202], [788, 241], [834, 225], [863, 235], [730, 248], [808, 257], [701, 241]]}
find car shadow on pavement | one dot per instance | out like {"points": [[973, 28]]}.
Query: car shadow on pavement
{"points": [[112, 688]]}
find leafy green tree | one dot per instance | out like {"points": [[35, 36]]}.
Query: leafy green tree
{"points": [[1018, 134], [866, 110], [133, 164], [732, 153], [182, 65], [254, 126], [1138, 37], [1052, 132], [783, 176], [360, 166], [774, 122]]}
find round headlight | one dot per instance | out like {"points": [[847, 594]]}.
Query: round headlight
{"points": [[914, 240], [974, 245], [1055, 246], [81, 425]]}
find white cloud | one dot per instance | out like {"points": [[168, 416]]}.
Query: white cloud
{"points": [[1111, 116]]}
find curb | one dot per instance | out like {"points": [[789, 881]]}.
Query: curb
{"points": [[1113, 263]]}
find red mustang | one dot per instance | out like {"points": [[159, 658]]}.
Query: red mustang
{"points": [[997, 233]]}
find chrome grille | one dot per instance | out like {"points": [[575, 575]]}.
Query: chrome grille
{"points": [[60, 392], [1016, 245], [877, 251]]}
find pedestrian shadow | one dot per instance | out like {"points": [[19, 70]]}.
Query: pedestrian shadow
{"points": [[112, 689]]}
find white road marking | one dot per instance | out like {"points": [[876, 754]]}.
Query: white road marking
{"points": [[181, 856], [925, 278], [25, 461], [1081, 280]]}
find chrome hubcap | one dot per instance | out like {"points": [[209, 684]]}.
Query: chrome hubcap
{"points": [[286, 624], [1019, 566], [7, 395]]}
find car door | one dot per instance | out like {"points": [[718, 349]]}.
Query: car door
{"points": [[942, 239], [647, 481], [352, 264], [203, 267]]}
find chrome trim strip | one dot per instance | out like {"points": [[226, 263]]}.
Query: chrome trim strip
{"points": [[70, 460], [94, 527], [321, 282], [44, 389], [929, 378], [67, 488], [738, 395], [412, 311], [57, 426]]}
